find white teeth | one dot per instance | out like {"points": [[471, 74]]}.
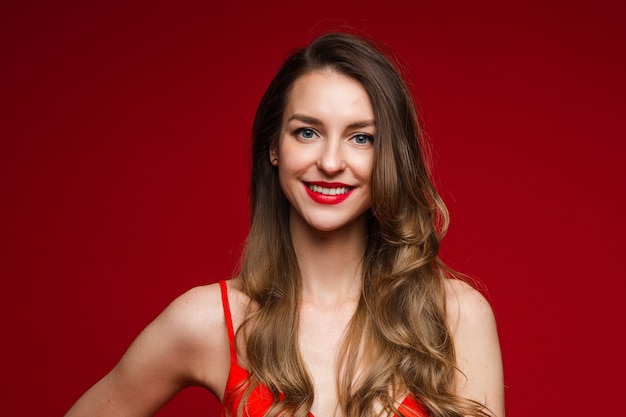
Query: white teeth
{"points": [[328, 191]]}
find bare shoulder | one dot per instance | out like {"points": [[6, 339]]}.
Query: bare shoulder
{"points": [[193, 326], [196, 309], [473, 329], [187, 344], [202, 308], [193, 318], [198, 317], [465, 305]]}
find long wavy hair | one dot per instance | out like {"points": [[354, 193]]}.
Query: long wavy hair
{"points": [[398, 340]]}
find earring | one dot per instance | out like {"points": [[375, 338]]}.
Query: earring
{"points": [[275, 162]]}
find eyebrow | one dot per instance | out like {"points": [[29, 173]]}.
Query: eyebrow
{"points": [[316, 122]]}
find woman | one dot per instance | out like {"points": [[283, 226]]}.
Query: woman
{"points": [[341, 306]]}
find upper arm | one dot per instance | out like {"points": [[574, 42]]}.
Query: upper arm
{"points": [[185, 345], [475, 337]]}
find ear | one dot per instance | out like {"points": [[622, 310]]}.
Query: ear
{"points": [[273, 156]]}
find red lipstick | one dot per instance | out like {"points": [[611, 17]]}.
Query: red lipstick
{"points": [[321, 198]]}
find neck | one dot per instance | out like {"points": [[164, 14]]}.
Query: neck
{"points": [[330, 262]]}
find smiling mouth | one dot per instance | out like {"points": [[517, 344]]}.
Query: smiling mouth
{"points": [[328, 191]]}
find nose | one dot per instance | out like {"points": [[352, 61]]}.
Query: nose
{"points": [[331, 159]]}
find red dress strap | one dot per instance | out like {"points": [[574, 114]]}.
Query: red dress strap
{"points": [[229, 322]]}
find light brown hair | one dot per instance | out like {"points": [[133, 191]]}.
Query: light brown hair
{"points": [[398, 339]]}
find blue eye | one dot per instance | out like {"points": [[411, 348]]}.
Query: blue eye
{"points": [[362, 139], [305, 133]]}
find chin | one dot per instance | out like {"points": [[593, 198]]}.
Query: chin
{"points": [[326, 228], [333, 225]]}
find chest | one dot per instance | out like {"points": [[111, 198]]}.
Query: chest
{"points": [[320, 337], [321, 334]]}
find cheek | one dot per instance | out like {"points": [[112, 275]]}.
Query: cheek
{"points": [[289, 170], [365, 168], [293, 159]]}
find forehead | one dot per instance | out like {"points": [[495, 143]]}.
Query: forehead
{"points": [[329, 94]]}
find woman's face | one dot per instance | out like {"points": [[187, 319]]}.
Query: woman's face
{"points": [[325, 152]]}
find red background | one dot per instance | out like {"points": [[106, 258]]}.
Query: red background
{"points": [[124, 172]]}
